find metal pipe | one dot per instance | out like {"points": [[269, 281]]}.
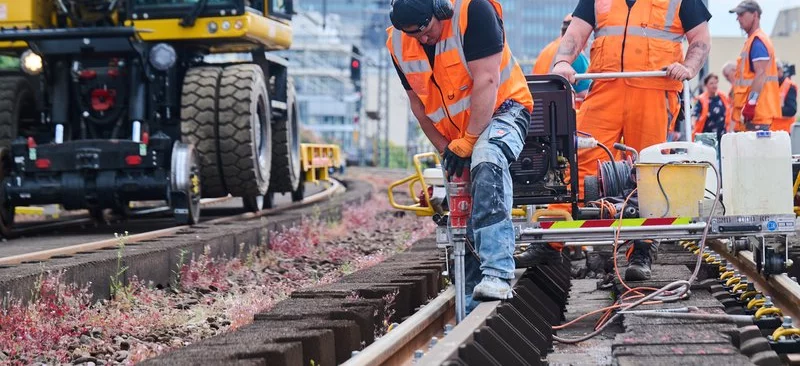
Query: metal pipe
{"points": [[588, 243], [613, 229], [622, 75], [725, 318], [687, 112]]}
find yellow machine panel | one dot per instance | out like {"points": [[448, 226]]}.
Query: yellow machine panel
{"points": [[25, 13], [248, 28]]}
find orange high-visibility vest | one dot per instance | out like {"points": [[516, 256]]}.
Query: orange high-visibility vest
{"points": [[645, 37], [705, 100], [545, 60], [768, 107], [446, 89], [784, 123]]}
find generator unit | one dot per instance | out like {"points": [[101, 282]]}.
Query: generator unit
{"points": [[120, 101], [540, 173]]}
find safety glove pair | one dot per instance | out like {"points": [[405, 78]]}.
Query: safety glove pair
{"points": [[458, 154]]}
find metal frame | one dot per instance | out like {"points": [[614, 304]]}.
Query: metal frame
{"points": [[731, 227]]}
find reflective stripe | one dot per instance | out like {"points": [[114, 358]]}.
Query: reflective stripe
{"points": [[437, 116], [618, 30], [446, 45], [462, 105], [674, 5], [745, 82], [505, 73], [407, 66], [458, 36]]}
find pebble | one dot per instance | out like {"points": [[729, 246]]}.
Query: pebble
{"points": [[120, 356], [82, 359]]}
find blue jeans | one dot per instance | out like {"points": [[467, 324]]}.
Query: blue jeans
{"points": [[490, 229]]}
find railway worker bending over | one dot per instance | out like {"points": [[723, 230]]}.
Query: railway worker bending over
{"points": [[472, 102], [630, 35]]}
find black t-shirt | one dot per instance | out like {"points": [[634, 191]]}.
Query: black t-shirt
{"points": [[692, 13], [483, 37]]}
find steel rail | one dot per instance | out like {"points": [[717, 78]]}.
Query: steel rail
{"points": [[85, 219], [398, 346], [784, 291], [97, 245]]}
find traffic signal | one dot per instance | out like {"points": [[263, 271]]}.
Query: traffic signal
{"points": [[355, 65]]}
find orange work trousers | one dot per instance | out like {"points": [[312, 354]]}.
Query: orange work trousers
{"points": [[613, 111]]}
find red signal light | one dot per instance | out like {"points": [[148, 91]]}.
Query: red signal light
{"points": [[355, 64]]}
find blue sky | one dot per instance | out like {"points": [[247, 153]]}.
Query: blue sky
{"points": [[724, 24]]}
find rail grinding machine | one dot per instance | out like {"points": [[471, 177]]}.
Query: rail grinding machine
{"points": [[541, 176]]}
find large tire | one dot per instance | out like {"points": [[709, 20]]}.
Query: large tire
{"points": [[199, 125], [17, 100], [244, 130], [286, 148]]}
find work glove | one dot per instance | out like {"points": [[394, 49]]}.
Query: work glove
{"points": [[457, 154], [749, 110]]}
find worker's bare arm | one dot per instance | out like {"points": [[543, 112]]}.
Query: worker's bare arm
{"points": [[486, 80], [573, 41], [439, 142], [760, 68], [699, 46]]}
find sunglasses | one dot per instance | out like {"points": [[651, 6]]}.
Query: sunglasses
{"points": [[420, 28]]}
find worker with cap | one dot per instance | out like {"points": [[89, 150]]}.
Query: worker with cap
{"points": [[756, 92], [473, 103], [544, 62], [630, 35], [788, 98]]}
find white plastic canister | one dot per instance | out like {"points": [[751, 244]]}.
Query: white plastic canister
{"points": [[757, 173]]}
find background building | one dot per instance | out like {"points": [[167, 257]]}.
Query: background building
{"points": [[531, 25]]}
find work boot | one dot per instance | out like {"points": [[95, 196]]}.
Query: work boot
{"points": [[492, 288], [639, 261], [537, 254]]}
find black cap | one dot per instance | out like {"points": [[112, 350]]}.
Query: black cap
{"points": [[411, 12], [747, 6]]}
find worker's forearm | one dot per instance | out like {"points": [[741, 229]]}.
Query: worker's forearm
{"points": [[696, 55], [426, 124], [758, 82], [569, 48], [484, 97], [434, 136]]}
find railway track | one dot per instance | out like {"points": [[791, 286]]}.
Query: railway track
{"points": [[71, 249], [520, 331]]}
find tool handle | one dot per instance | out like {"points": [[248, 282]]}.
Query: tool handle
{"points": [[614, 75]]}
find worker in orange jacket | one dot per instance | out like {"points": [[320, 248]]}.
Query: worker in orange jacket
{"points": [[788, 97], [712, 111], [729, 72], [544, 63], [473, 103], [756, 92], [631, 35]]}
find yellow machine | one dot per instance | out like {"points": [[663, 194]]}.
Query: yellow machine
{"points": [[118, 101]]}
